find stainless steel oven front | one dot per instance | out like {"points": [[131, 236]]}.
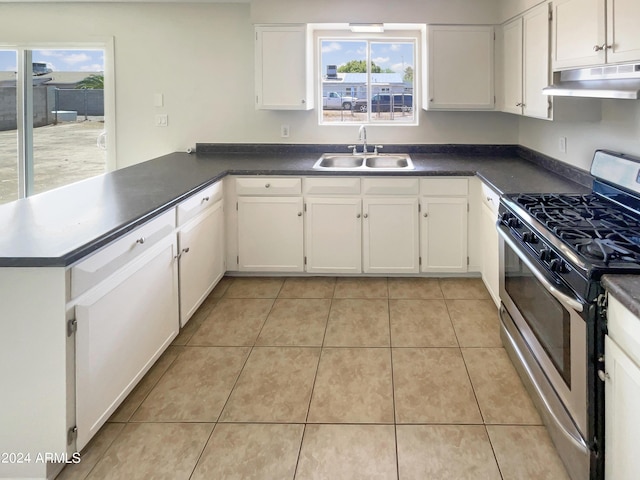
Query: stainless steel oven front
{"points": [[545, 334]]}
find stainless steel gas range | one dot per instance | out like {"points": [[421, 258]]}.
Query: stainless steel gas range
{"points": [[554, 250]]}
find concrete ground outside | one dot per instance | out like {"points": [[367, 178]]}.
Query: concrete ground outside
{"points": [[64, 153]]}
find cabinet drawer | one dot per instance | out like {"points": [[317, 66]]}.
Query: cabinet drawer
{"points": [[331, 186], [444, 187], [268, 186], [390, 186], [198, 202], [91, 271], [490, 198]]}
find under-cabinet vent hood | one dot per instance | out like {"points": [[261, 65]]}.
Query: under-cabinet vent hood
{"points": [[611, 81]]}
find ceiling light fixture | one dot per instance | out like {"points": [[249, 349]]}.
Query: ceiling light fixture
{"points": [[367, 27]]}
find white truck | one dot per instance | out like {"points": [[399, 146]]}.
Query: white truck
{"points": [[333, 100]]}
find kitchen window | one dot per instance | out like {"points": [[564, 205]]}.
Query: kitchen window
{"points": [[55, 110], [368, 80]]}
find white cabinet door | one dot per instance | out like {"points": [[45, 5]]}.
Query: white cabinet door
{"points": [[333, 235], [623, 34], [578, 26], [282, 66], [536, 62], [622, 415], [460, 67], [201, 246], [270, 234], [512, 66], [525, 58], [123, 325], [490, 253], [390, 235], [443, 235]]}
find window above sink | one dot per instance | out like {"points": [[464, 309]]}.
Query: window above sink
{"points": [[368, 78]]}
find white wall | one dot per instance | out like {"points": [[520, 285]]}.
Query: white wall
{"points": [[200, 56], [618, 130], [399, 11]]}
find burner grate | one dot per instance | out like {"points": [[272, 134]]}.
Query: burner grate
{"points": [[595, 228]]}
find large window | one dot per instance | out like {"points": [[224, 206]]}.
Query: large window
{"points": [[52, 118], [367, 80]]}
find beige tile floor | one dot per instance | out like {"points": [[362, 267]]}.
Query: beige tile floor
{"points": [[325, 378]]}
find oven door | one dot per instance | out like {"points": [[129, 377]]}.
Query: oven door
{"points": [[546, 337]]}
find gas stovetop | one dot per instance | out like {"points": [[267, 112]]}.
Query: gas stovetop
{"points": [[595, 228]]}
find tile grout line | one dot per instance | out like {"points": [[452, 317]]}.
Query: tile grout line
{"points": [[393, 388]]}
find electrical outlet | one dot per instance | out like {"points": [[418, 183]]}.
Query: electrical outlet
{"points": [[284, 131], [562, 144], [162, 120]]}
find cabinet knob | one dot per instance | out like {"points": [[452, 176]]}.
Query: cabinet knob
{"points": [[518, 104], [366, 215], [299, 214], [602, 375], [140, 241], [425, 215], [267, 185], [358, 216], [604, 46], [304, 101], [489, 199], [205, 199]]}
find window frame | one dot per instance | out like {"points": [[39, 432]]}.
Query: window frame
{"points": [[401, 33], [24, 102]]}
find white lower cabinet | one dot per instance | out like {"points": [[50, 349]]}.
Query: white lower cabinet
{"points": [[201, 247], [123, 325], [333, 235], [270, 234], [490, 243], [390, 235], [443, 227], [622, 393]]}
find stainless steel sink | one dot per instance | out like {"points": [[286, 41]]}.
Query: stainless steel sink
{"points": [[339, 161], [388, 161], [364, 162]]}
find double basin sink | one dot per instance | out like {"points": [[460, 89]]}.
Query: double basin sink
{"points": [[364, 161]]}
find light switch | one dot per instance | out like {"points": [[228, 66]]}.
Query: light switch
{"points": [[158, 100], [162, 120]]}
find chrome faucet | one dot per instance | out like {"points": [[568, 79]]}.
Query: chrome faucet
{"points": [[362, 137]]}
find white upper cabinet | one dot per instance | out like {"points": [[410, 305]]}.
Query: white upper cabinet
{"points": [[623, 32], [460, 68], [525, 60], [512, 66], [536, 73], [578, 27], [283, 68], [595, 32]]}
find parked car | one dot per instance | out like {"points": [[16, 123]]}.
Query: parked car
{"points": [[333, 100], [398, 102]]}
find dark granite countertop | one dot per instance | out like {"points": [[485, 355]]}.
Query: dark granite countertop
{"points": [[59, 227], [625, 288]]}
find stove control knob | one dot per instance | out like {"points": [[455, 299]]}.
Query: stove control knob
{"points": [[529, 237], [513, 222], [556, 265], [545, 254]]}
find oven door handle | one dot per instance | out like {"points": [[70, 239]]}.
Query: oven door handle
{"points": [[550, 287]]}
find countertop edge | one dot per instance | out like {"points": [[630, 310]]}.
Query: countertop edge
{"points": [[626, 288]]}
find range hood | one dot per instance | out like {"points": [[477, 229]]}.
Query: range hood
{"points": [[611, 81]]}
